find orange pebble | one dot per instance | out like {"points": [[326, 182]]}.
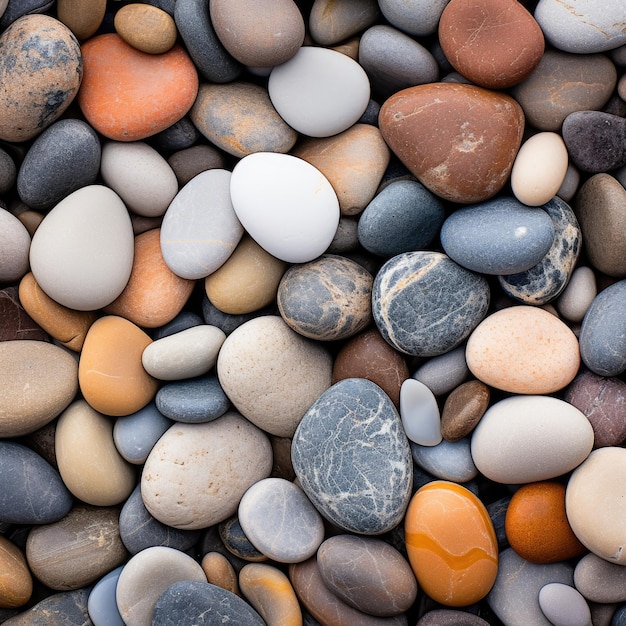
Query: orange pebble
{"points": [[536, 524]]}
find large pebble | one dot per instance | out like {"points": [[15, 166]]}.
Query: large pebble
{"points": [[42, 77], [195, 475], [15, 245], [524, 439], [409, 294], [362, 488], [600, 580], [16, 582], [460, 141], [563, 605], [453, 568], [272, 374], [39, 382], [87, 266], [523, 349]]}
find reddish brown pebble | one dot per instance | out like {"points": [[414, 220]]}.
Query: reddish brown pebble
{"points": [[463, 409], [219, 571], [146, 27]]}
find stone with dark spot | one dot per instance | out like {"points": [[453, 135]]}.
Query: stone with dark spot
{"points": [[352, 458], [424, 304], [193, 401], [60, 609], [15, 323]]}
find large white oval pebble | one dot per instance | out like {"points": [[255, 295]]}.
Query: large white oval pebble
{"points": [[420, 413], [523, 439], [319, 92], [287, 206], [140, 175], [82, 252]]}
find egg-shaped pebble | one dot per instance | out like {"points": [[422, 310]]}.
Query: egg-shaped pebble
{"points": [[563, 605], [101, 605], [578, 294], [330, 23], [230, 450], [463, 409], [524, 439], [16, 582], [523, 349], [15, 245], [441, 374], [599, 580], [286, 205], [448, 460], [420, 413], [454, 568], [319, 92], [220, 571], [82, 18], [146, 27], [87, 266]]}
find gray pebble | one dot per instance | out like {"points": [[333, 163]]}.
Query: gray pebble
{"points": [[447, 460], [445, 372], [193, 401]]}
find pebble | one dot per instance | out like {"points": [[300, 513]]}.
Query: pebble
{"points": [[16, 582], [189, 162], [60, 609], [271, 374], [146, 28], [330, 23], [448, 460], [523, 349], [450, 617], [15, 322], [220, 572], [578, 294], [15, 244], [599, 580], [192, 401], [414, 17], [8, 171], [236, 542], [454, 569], [231, 450], [563, 605], [463, 409], [524, 439], [408, 294], [441, 374], [82, 17], [420, 413], [101, 604], [368, 574]]}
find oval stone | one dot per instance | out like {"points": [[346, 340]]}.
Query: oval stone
{"points": [[101, 605], [15, 245], [39, 382], [599, 580], [578, 294], [524, 439], [463, 409], [330, 22], [196, 474], [16, 582], [448, 460], [563, 605], [146, 28], [82, 17], [453, 568], [40, 77], [459, 141], [409, 294], [523, 349], [414, 17], [55, 610], [193, 401], [420, 413], [87, 266], [359, 488]]}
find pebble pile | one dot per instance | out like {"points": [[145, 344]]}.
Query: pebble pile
{"points": [[312, 312]]}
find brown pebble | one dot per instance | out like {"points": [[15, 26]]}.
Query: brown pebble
{"points": [[219, 571], [82, 17], [31, 220], [282, 466], [192, 161], [16, 583], [463, 409], [146, 28], [15, 322]]}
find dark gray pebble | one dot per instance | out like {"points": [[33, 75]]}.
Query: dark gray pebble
{"points": [[227, 322], [237, 543], [60, 609], [183, 321], [497, 513], [193, 401], [183, 134], [8, 171], [18, 8]]}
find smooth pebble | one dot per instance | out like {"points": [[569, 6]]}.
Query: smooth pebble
{"points": [[563, 605], [420, 413], [448, 460]]}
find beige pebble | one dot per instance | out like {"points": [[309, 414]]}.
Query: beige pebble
{"points": [[30, 219], [16, 582], [82, 17], [578, 295], [146, 28], [220, 572]]}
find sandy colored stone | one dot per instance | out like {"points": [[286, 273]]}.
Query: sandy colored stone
{"points": [[463, 409], [331, 22], [146, 27], [111, 376], [68, 326], [219, 571], [82, 17], [16, 582], [154, 295]]}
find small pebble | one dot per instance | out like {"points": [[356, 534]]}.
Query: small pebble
{"points": [[599, 580], [448, 460], [146, 28], [420, 413], [441, 374], [332, 22], [15, 243], [194, 401], [578, 294], [16, 582], [463, 409], [82, 17], [101, 604], [219, 571], [564, 606]]}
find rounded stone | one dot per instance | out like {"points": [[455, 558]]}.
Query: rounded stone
{"points": [[15, 322], [596, 515], [118, 101], [237, 543], [523, 349], [448, 460], [15, 245], [450, 617], [368, 574], [458, 140], [85, 267], [414, 17], [82, 17], [101, 605], [146, 28], [412, 289], [438, 552], [78, 549], [563, 605], [280, 521], [16, 582], [330, 23], [272, 374], [174, 485], [441, 374], [192, 401], [360, 488], [599, 580], [41, 77], [536, 524], [111, 376], [463, 409], [219, 571], [189, 162], [62, 159], [524, 439], [39, 382], [420, 413], [55, 610], [578, 294], [8, 171]]}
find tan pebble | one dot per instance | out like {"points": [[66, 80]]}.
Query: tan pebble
{"points": [[146, 28], [350, 48], [578, 295], [269, 591], [67, 326], [89, 463], [110, 373], [248, 280], [82, 17], [220, 572], [16, 583], [154, 295], [463, 409], [331, 22]]}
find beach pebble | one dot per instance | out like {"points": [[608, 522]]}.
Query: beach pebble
{"points": [[368, 574], [15, 322], [599, 580], [59, 609], [8, 171], [192, 401], [319, 92], [563, 605], [219, 571], [361, 489], [448, 460], [16, 582], [436, 549], [578, 294], [15, 245], [331, 23], [146, 28], [420, 413], [82, 17], [459, 140], [101, 604], [524, 439], [189, 162], [441, 374], [174, 483], [415, 17], [410, 291], [463, 409], [85, 267], [450, 617], [523, 349], [235, 540]]}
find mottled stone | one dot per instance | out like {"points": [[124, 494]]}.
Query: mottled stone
{"points": [[460, 141], [145, 27], [463, 409], [15, 321], [362, 489], [409, 294], [193, 401], [82, 17], [16, 582], [600, 580], [15, 245], [60, 609], [179, 135]]}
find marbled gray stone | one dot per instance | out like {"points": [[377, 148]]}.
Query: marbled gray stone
{"points": [[545, 281], [425, 304], [447, 460], [193, 401], [499, 236], [67, 608], [352, 458]]}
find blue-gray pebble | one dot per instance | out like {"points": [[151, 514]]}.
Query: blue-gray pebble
{"points": [[31, 490], [499, 236], [603, 332], [183, 321], [404, 216], [68, 608], [102, 605], [352, 458], [545, 281], [425, 304], [193, 401], [180, 135], [447, 460], [497, 513], [228, 322], [202, 604]]}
